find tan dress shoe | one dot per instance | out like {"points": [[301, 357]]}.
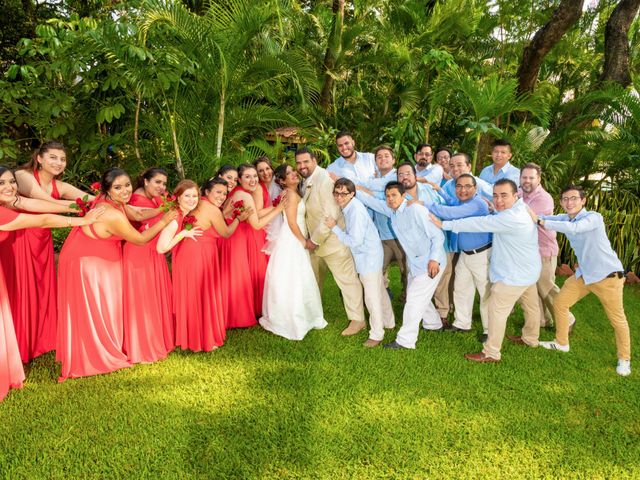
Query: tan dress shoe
{"points": [[480, 357], [372, 343], [353, 328]]}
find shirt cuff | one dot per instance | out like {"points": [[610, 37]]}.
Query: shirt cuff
{"points": [[336, 229]]}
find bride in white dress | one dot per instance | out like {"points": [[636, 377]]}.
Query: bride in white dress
{"points": [[291, 304]]}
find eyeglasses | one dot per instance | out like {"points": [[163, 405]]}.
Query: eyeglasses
{"points": [[404, 175], [341, 194], [572, 199], [465, 187]]}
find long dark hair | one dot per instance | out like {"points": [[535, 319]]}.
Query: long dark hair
{"points": [[33, 164], [108, 177], [208, 185], [4, 170], [148, 174], [280, 175]]}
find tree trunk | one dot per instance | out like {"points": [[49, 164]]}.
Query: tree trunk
{"points": [[562, 19], [220, 125], [136, 129], [176, 147], [616, 43], [334, 47]]}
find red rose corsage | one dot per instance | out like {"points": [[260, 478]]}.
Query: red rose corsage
{"points": [[188, 222], [238, 208], [276, 201]]}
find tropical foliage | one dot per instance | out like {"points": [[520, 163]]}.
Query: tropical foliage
{"points": [[191, 85]]}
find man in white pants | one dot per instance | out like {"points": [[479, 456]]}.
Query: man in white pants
{"points": [[514, 268], [423, 244], [361, 236], [472, 269]]}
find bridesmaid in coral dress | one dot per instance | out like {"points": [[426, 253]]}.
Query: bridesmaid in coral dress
{"points": [[90, 297], [200, 320], [243, 263], [11, 371], [33, 298], [149, 331]]}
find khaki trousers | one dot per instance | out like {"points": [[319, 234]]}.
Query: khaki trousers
{"points": [[502, 299], [377, 301], [471, 274], [441, 297], [341, 265], [548, 290], [609, 292], [393, 252]]}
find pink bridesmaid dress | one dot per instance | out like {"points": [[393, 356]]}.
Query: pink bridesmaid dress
{"points": [[149, 324], [33, 296], [197, 296], [11, 371], [90, 308], [243, 267]]}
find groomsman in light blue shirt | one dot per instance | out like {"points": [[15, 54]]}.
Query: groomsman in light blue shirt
{"points": [[501, 167], [599, 272], [356, 166], [423, 244], [514, 267], [361, 236]]}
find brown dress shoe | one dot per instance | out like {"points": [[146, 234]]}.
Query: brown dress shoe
{"points": [[445, 323], [353, 328], [516, 339], [480, 357], [372, 343]]}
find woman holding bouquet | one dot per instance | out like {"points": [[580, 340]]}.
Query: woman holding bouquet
{"points": [[11, 371], [149, 327], [200, 320], [90, 300], [243, 262]]}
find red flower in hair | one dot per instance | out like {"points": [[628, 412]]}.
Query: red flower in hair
{"points": [[276, 201], [188, 222], [95, 186]]}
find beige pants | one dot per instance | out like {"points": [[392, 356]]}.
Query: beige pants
{"points": [[609, 292], [377, 301], [393, 252], [548, 290], [471, 274], [419, 308], [502, 299], [341, 265], [441, 297]]}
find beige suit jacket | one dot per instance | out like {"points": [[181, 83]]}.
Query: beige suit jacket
{"points": [[319, 204]]}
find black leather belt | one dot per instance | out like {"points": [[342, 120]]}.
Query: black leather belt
{"points": [[478, 250], [616, 275]]}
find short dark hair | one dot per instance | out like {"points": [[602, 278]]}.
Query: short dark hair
{"points": [[532, 166], [303, 150], [407, 164], [397, 185], [243, 167], [345, 182], [501, 142], [466, 157], [420, 146], [343, 133], [467, 175], [577, 188], [506, 181], [384, 147], [443, 149]]}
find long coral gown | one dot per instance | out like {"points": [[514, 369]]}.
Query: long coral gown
{"points": [[197, 295], [90, 305], [33, 297], [149, 330], [243, 267], [11, 371]]}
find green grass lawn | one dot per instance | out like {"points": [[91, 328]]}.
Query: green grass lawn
{"points": [[266, 407]]}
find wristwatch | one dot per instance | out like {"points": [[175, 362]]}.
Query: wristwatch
{"points": [[540, 221]]}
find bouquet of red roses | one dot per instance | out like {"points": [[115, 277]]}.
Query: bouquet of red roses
{"points": [[82, 205], [238, 208], [166, 202], [188, 222]]}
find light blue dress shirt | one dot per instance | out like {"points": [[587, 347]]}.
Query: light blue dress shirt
{"points": [[433, 173], [448, 191], [361, 237], [426, 194], [508, 171], [588, 238], [382, 222], [363, 169], [474, 207], [420, 239], [515, 258]]}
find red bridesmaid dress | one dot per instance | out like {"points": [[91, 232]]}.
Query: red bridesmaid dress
{"points": [[33, 298], [149, 330], [243, 267], [197, 296], [11, 371], [90, 309]]}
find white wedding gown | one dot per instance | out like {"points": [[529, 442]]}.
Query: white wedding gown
{"points": [[291, 304]]}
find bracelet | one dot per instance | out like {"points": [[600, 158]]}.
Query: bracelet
{"points": [[69, 222]]}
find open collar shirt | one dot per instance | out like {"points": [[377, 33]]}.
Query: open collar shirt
{"points": [[541, 203]]}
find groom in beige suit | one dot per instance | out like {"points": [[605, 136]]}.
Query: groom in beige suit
{"points": [[325, 248]]}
